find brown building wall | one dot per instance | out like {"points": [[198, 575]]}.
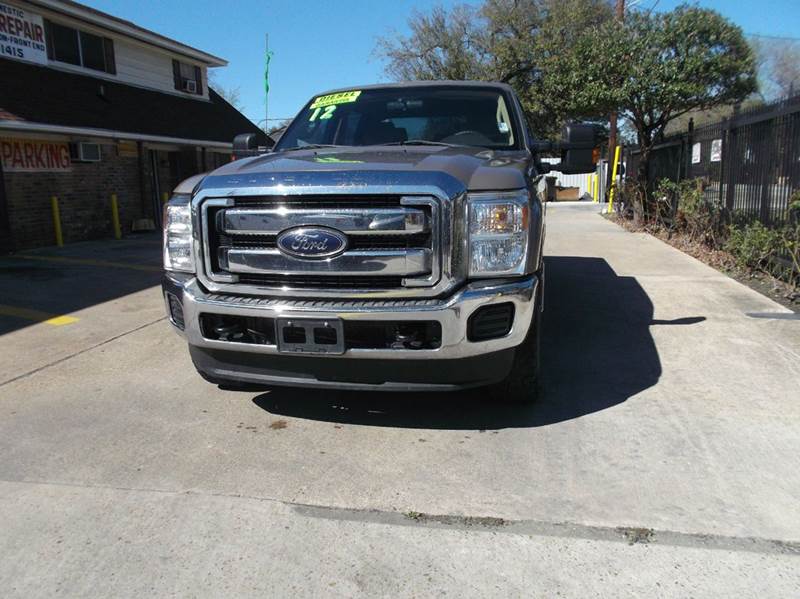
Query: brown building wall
{"points": [[84, 195]]}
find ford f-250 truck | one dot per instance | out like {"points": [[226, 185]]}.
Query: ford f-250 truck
{"points": [[391, 240]]}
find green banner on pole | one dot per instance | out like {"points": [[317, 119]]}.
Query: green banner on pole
{"points": [[266, 70]]}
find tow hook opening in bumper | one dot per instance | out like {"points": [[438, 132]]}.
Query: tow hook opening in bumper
{"points": [[255, 330], [372, 329]]}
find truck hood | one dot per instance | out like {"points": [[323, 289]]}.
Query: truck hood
{"points": [[453, 169]]}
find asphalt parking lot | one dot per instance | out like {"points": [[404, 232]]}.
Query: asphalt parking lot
{"points": [[662, 458]]}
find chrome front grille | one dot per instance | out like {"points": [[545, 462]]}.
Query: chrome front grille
{"points": [[352, 263], [365, 221], [393, 241]]}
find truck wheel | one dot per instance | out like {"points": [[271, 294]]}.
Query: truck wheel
{"points": [[523, 384]]}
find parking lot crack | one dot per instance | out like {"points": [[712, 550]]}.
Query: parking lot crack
{"points": [[632, 536]]}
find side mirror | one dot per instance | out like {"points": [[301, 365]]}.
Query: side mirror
{"points": [[579, 148], [244, 145]]}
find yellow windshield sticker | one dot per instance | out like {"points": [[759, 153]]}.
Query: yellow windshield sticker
{"points": [[333, 99]]}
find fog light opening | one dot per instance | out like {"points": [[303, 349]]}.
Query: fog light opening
{"points": [[176, 311], [490, 322]]}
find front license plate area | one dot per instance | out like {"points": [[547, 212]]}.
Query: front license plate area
{"points": [[307, 336]]}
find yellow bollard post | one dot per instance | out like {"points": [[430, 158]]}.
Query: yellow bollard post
{"points": [[613, 180], [595, 188], [56, 221], [115, 216]]}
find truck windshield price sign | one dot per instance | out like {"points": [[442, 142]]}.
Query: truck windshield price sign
{"points": [[334, 99], [324, 106]]}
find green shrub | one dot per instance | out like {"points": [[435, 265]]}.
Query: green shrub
{"points": [[774, 251], [794, 208], [629, 200], [683, 207], [790, 238], [754, 245], [666, 197]]}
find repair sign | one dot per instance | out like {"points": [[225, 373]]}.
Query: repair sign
{"points": [[22, 35], [32, 155]]}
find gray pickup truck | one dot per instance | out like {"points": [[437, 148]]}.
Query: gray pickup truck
{"points": [[391, 240]]}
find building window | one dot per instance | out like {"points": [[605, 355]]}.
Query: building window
{"points": [[188, 78], [63, 44], [71, 46], [92, 52]]}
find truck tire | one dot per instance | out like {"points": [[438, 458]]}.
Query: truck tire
{"points": [[523, 384]]}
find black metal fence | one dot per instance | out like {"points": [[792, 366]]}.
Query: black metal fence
{"points": [[749, 163]]}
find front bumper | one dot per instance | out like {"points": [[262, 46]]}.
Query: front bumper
{"points": [[232, 360]]}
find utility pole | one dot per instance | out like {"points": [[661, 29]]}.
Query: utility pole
{"points": [[612, 119]]}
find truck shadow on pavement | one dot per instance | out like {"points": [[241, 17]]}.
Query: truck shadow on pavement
{"points": [[597, 351]]}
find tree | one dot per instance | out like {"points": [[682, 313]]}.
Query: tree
{"points": [[664, 65], [275, 131], [702, 117], [779, 67], [571, 59], [568, 88], [525, 43], [442, 45], [232, 95]]}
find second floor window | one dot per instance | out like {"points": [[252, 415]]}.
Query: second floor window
{"points": [[72, 46], [188, 78]]}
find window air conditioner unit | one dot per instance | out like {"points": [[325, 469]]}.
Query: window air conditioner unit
{"points": [[84, 152], [190, 86]]}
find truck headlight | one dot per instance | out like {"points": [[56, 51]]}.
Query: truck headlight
{"points": [[178, 253], [498, 233]]}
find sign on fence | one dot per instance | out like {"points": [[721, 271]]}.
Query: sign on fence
{"points": [[716, 150], [696, 153]]}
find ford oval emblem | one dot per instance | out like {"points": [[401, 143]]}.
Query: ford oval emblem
{"points": [[312, 242]]}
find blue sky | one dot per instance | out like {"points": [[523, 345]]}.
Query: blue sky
{"points": [[320, 45]]}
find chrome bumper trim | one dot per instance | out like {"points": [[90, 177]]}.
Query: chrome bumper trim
{"points": [[452, 313]]}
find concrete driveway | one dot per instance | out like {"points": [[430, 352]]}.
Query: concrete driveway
{"points": [[663, 458]]}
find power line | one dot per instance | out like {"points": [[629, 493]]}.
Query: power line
{"points": [[774, 37]]}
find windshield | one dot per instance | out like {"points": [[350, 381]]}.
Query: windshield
{"points": [[457, 116]]}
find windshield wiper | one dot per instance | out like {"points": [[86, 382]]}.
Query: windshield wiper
{"points": [[420, 142]]}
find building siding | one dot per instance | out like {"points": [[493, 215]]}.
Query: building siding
{"points": [[137, 63], [140, 66]]}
